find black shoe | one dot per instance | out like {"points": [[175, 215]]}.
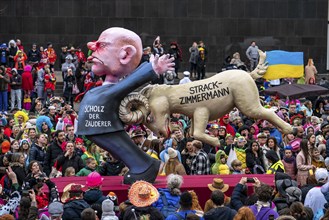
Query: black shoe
{"points": [[148, 175]]}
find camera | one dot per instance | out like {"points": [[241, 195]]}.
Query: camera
{"points": [[69, 112], [250, 180], [26, 190]]}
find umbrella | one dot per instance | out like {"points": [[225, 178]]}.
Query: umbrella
{"points": [[295, 91]]}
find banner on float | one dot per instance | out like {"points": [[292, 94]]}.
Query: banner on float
{"points": [[284, 64]]}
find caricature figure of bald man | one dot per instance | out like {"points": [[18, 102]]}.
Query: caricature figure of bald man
{"points": [[116, 54]]}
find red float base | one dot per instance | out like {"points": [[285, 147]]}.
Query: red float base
{"points": [[197, 183]]}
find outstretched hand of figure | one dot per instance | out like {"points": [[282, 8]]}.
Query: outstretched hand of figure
{"points": [[162, 64]]}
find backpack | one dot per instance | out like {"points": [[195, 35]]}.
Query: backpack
{"points": [[167, 209]]}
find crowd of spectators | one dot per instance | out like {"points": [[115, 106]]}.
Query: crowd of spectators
{"points": [[38, 143]]}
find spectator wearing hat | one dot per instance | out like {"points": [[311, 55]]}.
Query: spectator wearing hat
{"points": [[276, 163], [254, 158], [168, 202], [225, 121], [289, 162], [108, 210], [169, 143], [219, 211], [75, 60], [185, 207], [304, 163], [75, 204], [27, 81], [200, 164], [4, 80], [282, 182], [24, 148], [217, 184], [55, 210], [67, 65], [94, 194], [220, 167], [315, 199], [240, 150], [186, 78], [142, 195], [176, 52], [173, 165], [16, 89]]}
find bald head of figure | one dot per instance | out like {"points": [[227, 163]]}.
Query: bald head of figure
{"points": [[116, 53]]}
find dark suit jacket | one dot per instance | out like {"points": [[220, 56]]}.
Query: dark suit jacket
{"points": [[99, 109]]}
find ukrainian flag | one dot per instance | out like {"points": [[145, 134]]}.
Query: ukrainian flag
{"points": [[283, 64]]}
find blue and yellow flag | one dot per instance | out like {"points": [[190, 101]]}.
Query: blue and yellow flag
{"points": [[283, 64]]}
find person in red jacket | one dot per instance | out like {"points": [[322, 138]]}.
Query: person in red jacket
{"points": [[225, 121], [51, 54], [27, 80]]}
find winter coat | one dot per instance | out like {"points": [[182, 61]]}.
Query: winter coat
{"points": [[252, 160], [238, 197], [84, 171], [218, 167], [37, 153], [290, 168], [93, 196], [69, 82], [222, 213], [263, 213], [53, 151], [303, 168], [4, 82], [18, 80], [111, 169], [27, 81], [73, 209], [19, 171], [75, 161], [172, 200]]}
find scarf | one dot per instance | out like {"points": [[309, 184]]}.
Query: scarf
{"points": [[289, 160]]}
